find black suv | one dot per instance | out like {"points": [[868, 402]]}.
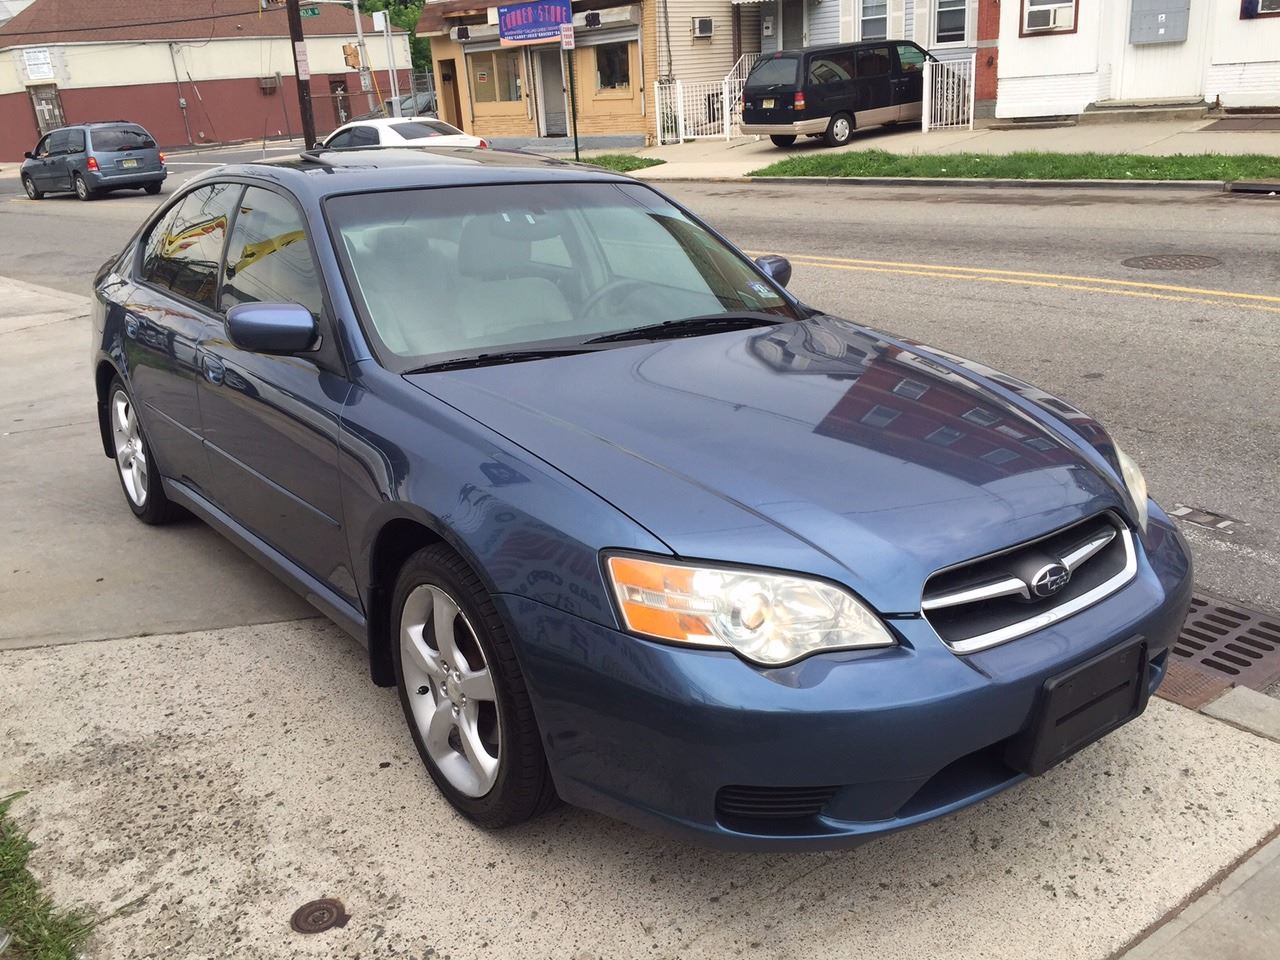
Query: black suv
{"points": [[91, 158], [830, 91]]}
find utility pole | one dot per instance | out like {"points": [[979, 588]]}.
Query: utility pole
{"points": [[302, 69], [364, 56]]}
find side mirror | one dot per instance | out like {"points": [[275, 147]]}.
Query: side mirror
{"points": [[778, 268], [318, 145], [271, 327], [29, 155]]}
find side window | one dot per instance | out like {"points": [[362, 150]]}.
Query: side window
{"points": [[342, 139], [268, 259], [42, 148], [75, 141], [873, 62], [910, 57], [58, 141], [184, 250], [364, 137], [831, 68]]}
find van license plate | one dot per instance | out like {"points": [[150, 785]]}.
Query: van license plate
{"points": [[128, 163], [766, 104]]}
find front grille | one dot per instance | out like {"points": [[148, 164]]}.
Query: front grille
{"points": [[771, 803], [997, 598]]}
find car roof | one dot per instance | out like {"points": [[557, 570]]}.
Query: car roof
{"points": [[828, 47], [389, 121], [321, 173]]}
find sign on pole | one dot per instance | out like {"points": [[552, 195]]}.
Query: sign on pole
{"points": [[310, 12], [300, 58], [535, 22], [566, 36]]}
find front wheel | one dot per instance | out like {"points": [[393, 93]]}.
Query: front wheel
{"points": [[32, 192], [839, 130], [782, 139], [82, 188], [139, 477], [463, 694]]}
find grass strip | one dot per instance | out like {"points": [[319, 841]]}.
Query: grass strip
{"points": [[1028, 165], [622, 162], [40, 930]]}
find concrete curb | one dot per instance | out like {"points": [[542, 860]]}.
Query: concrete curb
{"points": [[1200, 186]]}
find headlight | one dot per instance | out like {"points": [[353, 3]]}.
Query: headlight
{"points": [[768, 618], [1137, 484]]}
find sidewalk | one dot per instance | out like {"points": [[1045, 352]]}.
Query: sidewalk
{"points": [[718, 159]]}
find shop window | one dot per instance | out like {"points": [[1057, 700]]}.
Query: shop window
{"points": [[495, 76], [951, 17], [613, 66]]}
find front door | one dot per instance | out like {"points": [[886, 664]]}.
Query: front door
{"points": [[48, 107], [908, 83], [551, 93], [792, 14], [1159, 71], [874, 70], [450, 109], [271, 423]]}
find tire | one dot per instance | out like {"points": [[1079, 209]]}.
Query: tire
{"points": [[839, 130], [135, 466], [782, 139], [152, 189], [452, 715], [82, 188], [29, 185]]}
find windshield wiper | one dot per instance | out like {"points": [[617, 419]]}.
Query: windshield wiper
{"points": [[491, 359], [693, 326]]}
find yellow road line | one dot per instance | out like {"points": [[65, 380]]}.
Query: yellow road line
{"points": [[992, 271], [1018, 281]]}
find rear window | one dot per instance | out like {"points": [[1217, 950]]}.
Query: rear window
{"points": [[774, 71], [418, 129], [121, 138]]}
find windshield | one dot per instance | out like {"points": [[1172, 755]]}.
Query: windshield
{"points": [[774, 71], [121, 138], [464, 270]]}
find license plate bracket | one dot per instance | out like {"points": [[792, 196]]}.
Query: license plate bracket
{"points": [[767, 104], [1081, 705], [128, 163]]}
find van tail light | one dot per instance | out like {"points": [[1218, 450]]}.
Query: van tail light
{"points": [[162, 158], [92, 164], [799, 102], [483, 144]]}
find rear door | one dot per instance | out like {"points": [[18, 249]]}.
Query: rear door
{"points": [[271, 423], [874, 70], [124, 150], [830, 85], [170, 312], [769, 92], [908, 82]]}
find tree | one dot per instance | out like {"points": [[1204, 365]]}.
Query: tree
{"points": [[404, 14]]}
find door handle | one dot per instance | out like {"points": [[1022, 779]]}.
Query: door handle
{"points": [[214, 369]]}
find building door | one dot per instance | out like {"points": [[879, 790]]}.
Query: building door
{"points": [[1159, 71], [450, 108], [48, 107], [341, 103], [791, 13], [551, 108]]}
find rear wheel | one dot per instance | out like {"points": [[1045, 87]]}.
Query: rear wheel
{"points": [[152, 188], [839, 130], [463, 694], [29, 185], [139, 478], [782, 139], [82, 188]]}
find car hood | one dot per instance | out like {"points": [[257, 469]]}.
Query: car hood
{"points": [[817, 446]]}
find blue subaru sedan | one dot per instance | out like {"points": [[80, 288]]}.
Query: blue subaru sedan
{"points": [[625, 522]]}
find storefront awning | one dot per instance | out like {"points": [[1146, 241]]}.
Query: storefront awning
{"points": [[740, 2]]}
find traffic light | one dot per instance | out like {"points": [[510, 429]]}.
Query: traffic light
{"points": [[271, 4], [351, 55]]}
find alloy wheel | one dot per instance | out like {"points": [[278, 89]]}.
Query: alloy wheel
{"points": [[82, 188], [131, 453], [30, 187], [450, 690]]}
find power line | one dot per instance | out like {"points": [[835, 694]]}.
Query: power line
{"points": [[6, 36]]}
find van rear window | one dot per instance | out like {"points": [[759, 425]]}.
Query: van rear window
{"points": [[773, 71], [122, 138]]}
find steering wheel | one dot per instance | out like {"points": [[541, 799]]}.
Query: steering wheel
{"points": [[631, 287]]}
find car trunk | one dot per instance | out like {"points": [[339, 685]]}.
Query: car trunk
{"points": [[125, 151], [769, 93]]}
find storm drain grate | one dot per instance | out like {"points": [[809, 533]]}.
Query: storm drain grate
{"points": [[318, 916], [1224, 640], [1172, 261]]}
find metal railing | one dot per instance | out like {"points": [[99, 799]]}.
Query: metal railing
{"points": [[948, 94], [702, 110]]}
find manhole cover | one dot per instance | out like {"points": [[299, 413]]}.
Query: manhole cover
{"points": [[1172, 261], [318, 916], [1221, 639]]}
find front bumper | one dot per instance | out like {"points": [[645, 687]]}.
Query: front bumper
{"points": [[798, 128], [651, 733]]}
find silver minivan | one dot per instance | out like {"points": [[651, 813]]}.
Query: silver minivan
{"points": [[89, 159]]}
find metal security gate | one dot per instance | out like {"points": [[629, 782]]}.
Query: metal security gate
{"points": [[708, 109], [948, 94]]}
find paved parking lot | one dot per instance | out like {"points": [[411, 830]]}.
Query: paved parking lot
{"points": [[218, 752]]}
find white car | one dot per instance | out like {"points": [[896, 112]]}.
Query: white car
{"points": [[401, 132]]}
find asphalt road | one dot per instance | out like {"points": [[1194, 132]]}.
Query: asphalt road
{"points": [[1179, 364]]}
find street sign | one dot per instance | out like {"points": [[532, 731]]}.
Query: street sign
{"points": [[566, 36], [366, 83], [311, 11], [300, 58], [380, 20]]}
